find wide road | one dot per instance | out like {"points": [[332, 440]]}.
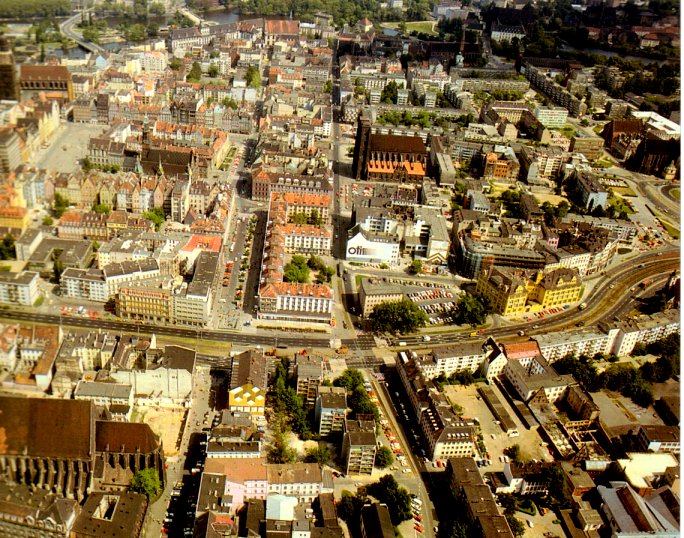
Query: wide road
{"points": [[600, 305]]}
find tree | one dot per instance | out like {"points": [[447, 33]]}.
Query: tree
{"points": [[157, 9], [7, 251], [390, 93], [297, 270], [416, 267], [299, 218], [315, 263], [397, 499], [60, 205], [325, 275], [213, 71], [229, 102], [517, 526], [397, 317], [320, 455], [508, 503], [514, 453], [582, 369], [281, 451], [146, 481], [328, 86], [350, 379], [102, 209], [87, 165], [48, 221], [472, 309], [384, 457], [156, 216], [136, 33], [195, 74], [253, 77], [176, 63]]}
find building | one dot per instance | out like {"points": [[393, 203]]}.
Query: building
{"points": [[388, 157], [373, 292], [445, 434], [628, 514], [554, 346], [589, 146], [654, 438], [9, 82], [474, 496], [592, 193], [513, 292], [27, 512], [115, 515], [249, 367], [236, 481], [302, 481], [19, 288], [551, 116], [114, 397], [448, 360], [359, 446], [624, 334], [376, 521], [529, 375], [46, 78], [10, 150], [308, 375], [367, 246], [331, 409], [247, 399], [48, 432], [528, 478]]}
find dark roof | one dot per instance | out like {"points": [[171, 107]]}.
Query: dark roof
{"points": [[44, 72], [397, 143], [127, 437], [180, 358], [376, 521], [49, 428], [124, 521]]}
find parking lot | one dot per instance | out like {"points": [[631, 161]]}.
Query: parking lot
{"points": [[437, 303]]}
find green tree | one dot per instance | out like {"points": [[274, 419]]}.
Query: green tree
{"points": [[508, 503], [281, 451], [102, 209], [350, 379], [517, 526], [397, 499], [7, 251], [253, 77], [328, 86], [213, 71], [297, 270], [416, 267], [384, 457], [175, 64], [48, 221], [315, 263], [389, 93], [325, 275], [146, 481], [471, 309], [157, 9], [91, 33], [60, 205], [397, 317], [195, 74], [299, 218], [87, 165], [314, 218], [320, 455], [156, 216], [136, 33], [229, 102]]}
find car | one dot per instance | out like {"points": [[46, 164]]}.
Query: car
{"points": [[535, 326], [406, 470], [417, 518]]}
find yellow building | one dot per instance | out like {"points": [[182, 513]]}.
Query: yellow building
{"points": [[247, 399], [14, 217], [514, 292]]}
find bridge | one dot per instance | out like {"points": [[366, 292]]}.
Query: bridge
{"points": [[67, 28]]}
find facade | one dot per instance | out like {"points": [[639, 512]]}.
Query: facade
{"points": [[514, 292], [9, 82], [367, 246], [248, 399], [47, 78], [303, 481], [448, 360], [308, 373], [650, 438], [25, 513], [592, 192], [373, 292], [19, 288], [529, 375], [359, 446], [10, 151], [331, 409]]}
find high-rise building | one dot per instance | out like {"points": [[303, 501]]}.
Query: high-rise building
{"points": [[9, 82]]}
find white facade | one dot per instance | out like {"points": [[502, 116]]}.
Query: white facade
{"points": [[163, 386], [19, 288], [362, 249]]}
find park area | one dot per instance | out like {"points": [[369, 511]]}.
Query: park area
{"points": [[421, 27]]}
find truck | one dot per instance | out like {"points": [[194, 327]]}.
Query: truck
{"points": [[646, 283]]}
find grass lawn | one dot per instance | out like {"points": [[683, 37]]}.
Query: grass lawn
{"points": [[624, 191], [675, 194], [567, 131], [674, 232], [425, 27], [620, 204]]}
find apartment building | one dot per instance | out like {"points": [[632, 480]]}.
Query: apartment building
{"points": [[624, 334], [331, 409], [528, 375], [373, 292], [303, 481], [308, 375], [446, 436], [359, 446], [19, 288], [447, 360], [557, 345]]}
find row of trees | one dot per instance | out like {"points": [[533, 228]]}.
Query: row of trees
{"points": [[624, 377], [34, 8], [386, 490], [357, 397], [402, 316]]}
